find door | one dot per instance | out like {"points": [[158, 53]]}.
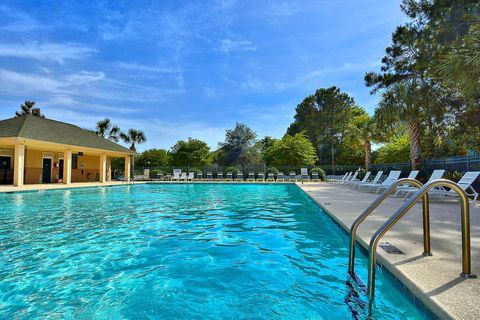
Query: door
{"points": [[5, 163], [60, 169], [47, 170]]}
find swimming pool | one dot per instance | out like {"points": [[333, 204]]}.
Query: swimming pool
{"points": [[181, 251]]}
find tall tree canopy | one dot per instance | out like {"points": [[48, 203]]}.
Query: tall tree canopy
{"points": [[28, 108], [153, 158], [409, 79], [192, 152], [324, 117], [296, 150], [239, 146]]}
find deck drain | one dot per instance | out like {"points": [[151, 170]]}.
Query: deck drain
{"points": [[389, 248], [327, 203]]}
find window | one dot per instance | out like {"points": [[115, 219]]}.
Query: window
{"points": [[74, 161]]}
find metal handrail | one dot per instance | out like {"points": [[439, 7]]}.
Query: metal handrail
{"points": [[465, 222], [374, 205]]}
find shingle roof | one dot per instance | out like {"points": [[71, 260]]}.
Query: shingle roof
{"points": [[32, 127]]}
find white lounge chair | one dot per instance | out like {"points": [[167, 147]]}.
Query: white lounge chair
{"points": [[351, 179], [465, 183], [408, 190], [354, 184], [176, 174], [346, 177], [375, 181], [333, 180], [292, 176], [260, 177], [199, 176], [251, 176], [392, 177], [220, 176], [229, 176], [191, 176], [239, 177], [183, 176], [304, 173], [270, 177], [280, 177], [315, 177]]}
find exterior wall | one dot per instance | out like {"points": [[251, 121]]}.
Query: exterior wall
{"points": [[88, 169]]}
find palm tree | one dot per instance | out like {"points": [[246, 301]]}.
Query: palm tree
{"points": [[28, 108], [364, 130], [406, 102], [133, 137], [107, 130]]}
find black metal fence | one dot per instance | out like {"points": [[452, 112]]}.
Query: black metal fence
{"points": [[454, 167]]}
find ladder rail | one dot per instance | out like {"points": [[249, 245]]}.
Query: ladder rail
{"points": [[375, 204], [401, 212]]}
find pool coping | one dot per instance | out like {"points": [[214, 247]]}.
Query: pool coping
{"points": [[429, 304]]}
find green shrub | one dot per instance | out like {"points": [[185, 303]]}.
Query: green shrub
{"points": [[321, 173], [234, 170], [154, 173], [272, 170]]}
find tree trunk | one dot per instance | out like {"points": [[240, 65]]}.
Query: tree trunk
{"points": [[367, 146], [415, 133]]}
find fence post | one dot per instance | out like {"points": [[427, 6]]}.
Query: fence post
{"points": [[468, 162]]}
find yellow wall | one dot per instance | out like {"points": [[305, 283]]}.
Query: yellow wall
{"points": [[87, 170]]}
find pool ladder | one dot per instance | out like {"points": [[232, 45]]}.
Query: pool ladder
{"points": [[422, 193]]}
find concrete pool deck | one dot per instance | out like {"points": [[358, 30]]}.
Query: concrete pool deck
{"points": [[434, 280]]}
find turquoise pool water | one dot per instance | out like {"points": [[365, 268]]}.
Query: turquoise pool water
{"points": [[181, 251]]}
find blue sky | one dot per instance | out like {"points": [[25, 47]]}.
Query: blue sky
{"points": [[188, 68]]}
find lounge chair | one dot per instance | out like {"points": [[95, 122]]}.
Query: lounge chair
{"points": [[292, 176], [304, 173], [315, 177], [334, 180], [280, 177], [351, 179], [436, 174], [176, 174], [199, 176], [239, 177], [346, 177], [183, 176], [354, 184], [220, 176], [375, 180], [191, 176], [260, 177], [465, 183], [270, 177], [209, 176], [392, 177], [229, 176], [251, 176]]}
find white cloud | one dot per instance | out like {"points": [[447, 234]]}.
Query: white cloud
{"points": [[229, 45], [14, 20], [58, 52], [142, 68]]}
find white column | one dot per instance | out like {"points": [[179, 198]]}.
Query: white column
{"points": [[109, 169], [103, 168], [67, 167], [19, 165], [128, 162]]}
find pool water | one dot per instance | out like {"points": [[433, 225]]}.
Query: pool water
{"points": [[181, 251]]}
